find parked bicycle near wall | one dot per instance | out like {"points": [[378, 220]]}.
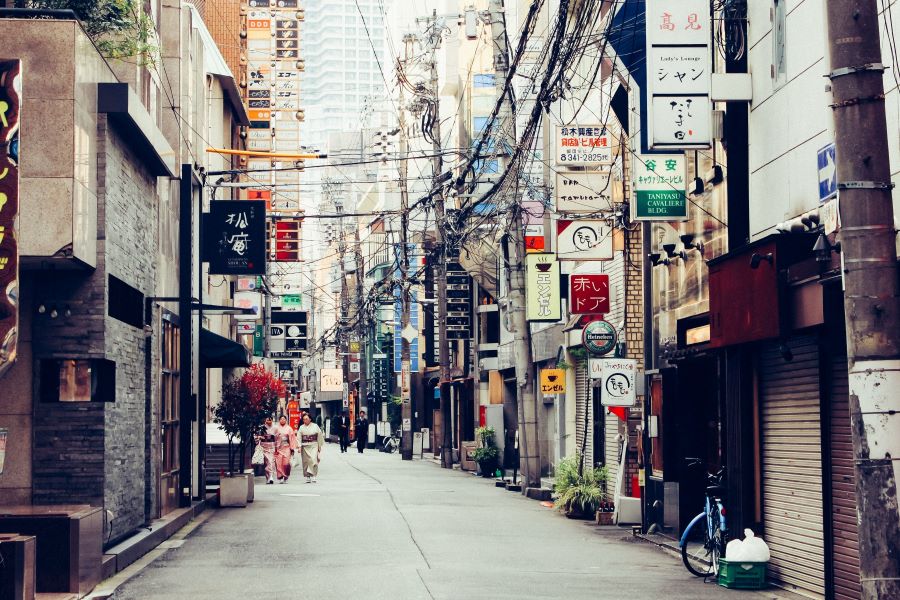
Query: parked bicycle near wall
{"points": [[392, 442], [703, 541]]}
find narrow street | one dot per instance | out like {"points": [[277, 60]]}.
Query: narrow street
{"points": [[373, 527]]}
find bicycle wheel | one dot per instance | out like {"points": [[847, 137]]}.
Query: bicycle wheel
{"points": [[697, 550]]}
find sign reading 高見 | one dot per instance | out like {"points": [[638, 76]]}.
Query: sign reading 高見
{"points": [[678, 73], [236, 237], [659, 188], [542, 293]]}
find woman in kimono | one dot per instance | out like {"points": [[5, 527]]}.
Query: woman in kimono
{"points": [[311, 442], [267, 441], [285, 444]]}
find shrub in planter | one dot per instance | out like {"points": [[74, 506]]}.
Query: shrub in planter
{"points": [[487, 455], [579, 491]]}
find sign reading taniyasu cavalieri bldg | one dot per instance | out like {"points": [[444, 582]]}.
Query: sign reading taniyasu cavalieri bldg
{"points": [[235, 237], [659, 188]]}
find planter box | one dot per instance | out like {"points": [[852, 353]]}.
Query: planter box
{"points": [[251, 484], [605, 518], [17, 566], [233, 490]]}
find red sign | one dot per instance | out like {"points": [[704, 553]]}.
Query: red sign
{"points": [[10, 88], [588, 294], [293, 410]]}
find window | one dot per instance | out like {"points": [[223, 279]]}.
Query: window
{"points": [[125, 303], [483, 80], [168, 416], [77, 380], [779, 68]]}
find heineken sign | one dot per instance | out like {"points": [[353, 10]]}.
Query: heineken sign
{"points": [[659, 184], [599, 337]]}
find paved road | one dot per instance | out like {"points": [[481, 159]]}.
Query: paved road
{"points": [[376, 527]]}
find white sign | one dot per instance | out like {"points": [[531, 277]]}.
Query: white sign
{"points": [[584, 239], [407, 424], [584, 145], [585, 191], [305, 399], [617, 381], [595, 368], [354, 367], [678, 73], [251, 300], [245, 328], [332, 380]]}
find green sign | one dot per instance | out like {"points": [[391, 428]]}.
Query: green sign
{"points": [[258, 341], [659, 186], [599, 337], [292, 302]]}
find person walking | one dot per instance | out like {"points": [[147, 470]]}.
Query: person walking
{"points": [[285, 444], [344, 430], [311, 441], [267, 441], [362, 431]]}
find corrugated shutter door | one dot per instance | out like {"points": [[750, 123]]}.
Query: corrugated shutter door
{"points": [[793, 515], [583, 411], [845, 544]]}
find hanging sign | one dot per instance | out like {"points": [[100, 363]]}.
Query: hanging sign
{"points": [[584, 239], [542, 294], [553, 381], [331, 380], [251, 300], [584, 145], [235, 242], [588, 294], [10, 105], [617, 381], [534, 238], [586, 191], [678, 73], [659, 184], [599, 337]]}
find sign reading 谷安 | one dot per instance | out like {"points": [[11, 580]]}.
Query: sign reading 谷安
{"points": [[659, 184]]}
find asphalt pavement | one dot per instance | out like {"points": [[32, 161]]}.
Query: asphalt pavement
{"points": [[374, 526]]}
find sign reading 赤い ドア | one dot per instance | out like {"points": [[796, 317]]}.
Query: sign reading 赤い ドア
{"points": [[659, 188], [542, 295], [618, 377]]}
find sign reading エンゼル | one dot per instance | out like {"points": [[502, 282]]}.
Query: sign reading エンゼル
{"points": [[542, 294], [659, 184], [236, 237], [588, 294], [553, 381], [10, 96]]}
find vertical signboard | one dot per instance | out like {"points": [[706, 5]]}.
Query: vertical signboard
{"points": [[584, 239], [678, 73], [588, 294], [659, 188], [542, 294], [459, 301], [10, 98], [235, 237]]}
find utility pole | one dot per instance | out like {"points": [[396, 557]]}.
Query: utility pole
{"points": [[526, 399], [406, 438], [344, 313], [872, 290], [440, 271], [362, 329]]}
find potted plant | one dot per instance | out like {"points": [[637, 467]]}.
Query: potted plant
{"points": [[245, 404], [487, 455], [579, 491]]}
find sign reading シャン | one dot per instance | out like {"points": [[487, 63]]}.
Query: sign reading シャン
{"points": [[617, 381], [10, 95], [236, 237]]}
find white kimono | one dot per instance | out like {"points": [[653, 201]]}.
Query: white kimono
{"points": [[311, 441]]}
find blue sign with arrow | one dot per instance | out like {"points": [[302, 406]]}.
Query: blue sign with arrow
{"points": [[827, 173]]}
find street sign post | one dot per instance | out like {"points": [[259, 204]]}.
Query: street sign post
{"points": [[825, 159]]}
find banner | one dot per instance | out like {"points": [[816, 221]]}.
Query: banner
{"points": [[10, 91], [235, 237]]}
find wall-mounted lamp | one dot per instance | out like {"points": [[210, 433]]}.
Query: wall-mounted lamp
{"points": [[53, 310], [757, 258], [823, 248], [689, 244], [670, 252], [697, 188], [656, 259]]}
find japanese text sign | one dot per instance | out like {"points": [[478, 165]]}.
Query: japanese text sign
{"points": [[588, 294], [586, 191], [584, 239], [618, 381], [659, 184], [553, 381], [332, 380], [585, 145], [678, 73], [236, 237], [543, 295], [10, 99]]}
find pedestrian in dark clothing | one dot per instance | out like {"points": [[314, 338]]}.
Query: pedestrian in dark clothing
{"points": [[362, 431], [344, 430]]}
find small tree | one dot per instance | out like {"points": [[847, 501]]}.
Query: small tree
{"points": [[246, 402]]}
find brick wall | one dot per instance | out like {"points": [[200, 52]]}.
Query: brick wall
{"points": [[634, 336], [128, 244]]}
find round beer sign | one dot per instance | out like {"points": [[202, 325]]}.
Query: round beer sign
{"points": [[599, 337]]}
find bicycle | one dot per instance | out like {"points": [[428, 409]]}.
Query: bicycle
{"points": [[391, 443], [709, 526]]}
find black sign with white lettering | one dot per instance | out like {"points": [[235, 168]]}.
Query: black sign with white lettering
{"points": [[235, 237]]}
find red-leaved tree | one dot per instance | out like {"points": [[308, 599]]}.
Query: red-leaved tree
{"points": [[246, 402]]}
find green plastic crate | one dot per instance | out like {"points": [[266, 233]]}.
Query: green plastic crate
{"points": [[742, 575]]}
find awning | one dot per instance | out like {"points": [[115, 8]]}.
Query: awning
{"points": [[217, 351]]}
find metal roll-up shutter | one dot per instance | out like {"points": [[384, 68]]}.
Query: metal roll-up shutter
{"points": [[583, 411], [791, 426], [845, 533]]}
